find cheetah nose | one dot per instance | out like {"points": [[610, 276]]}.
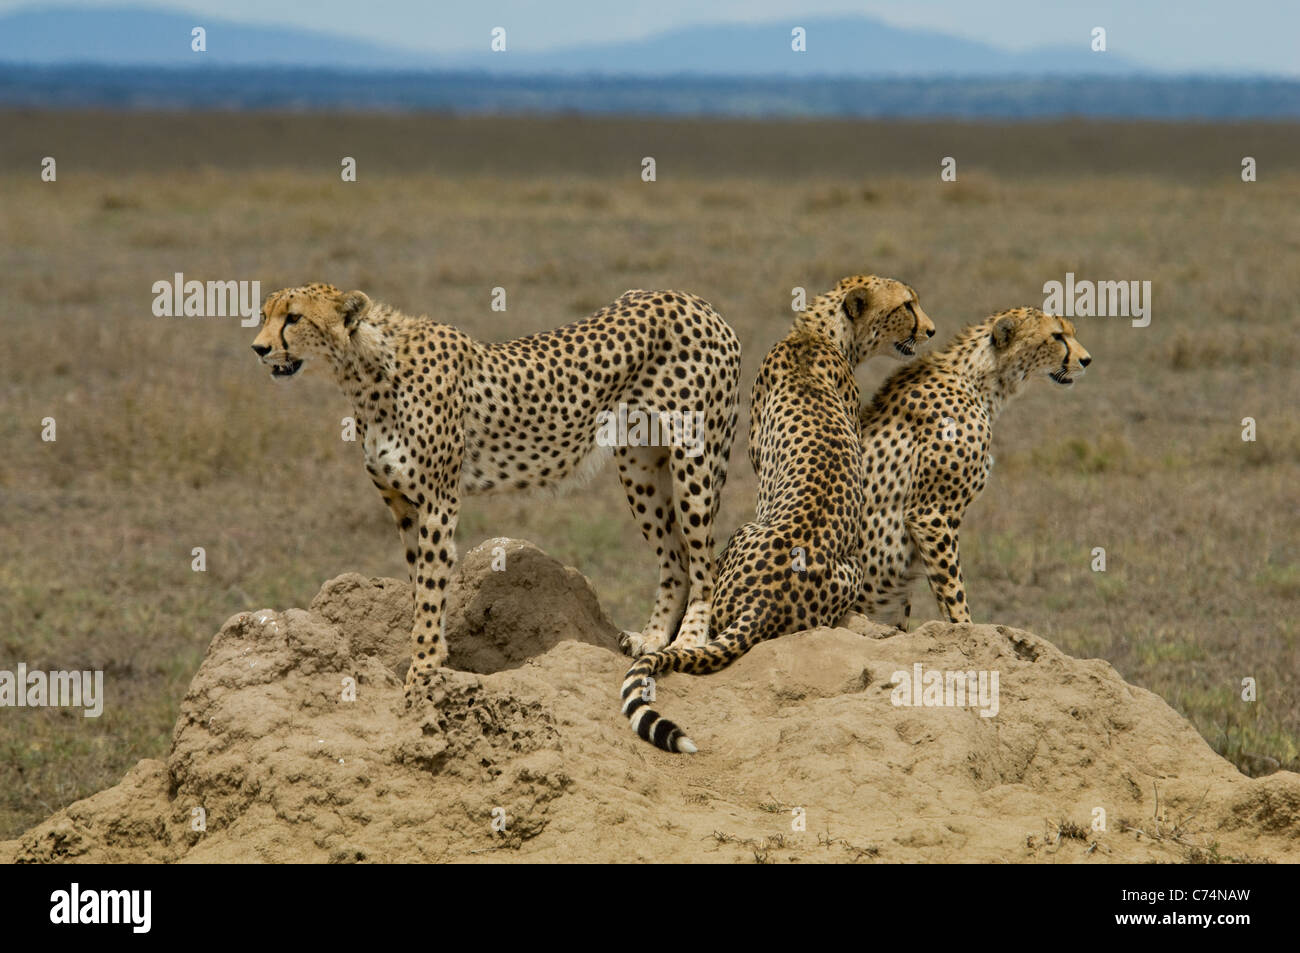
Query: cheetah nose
{"points": [[261, 350], [929, 332], [1085, 361]]}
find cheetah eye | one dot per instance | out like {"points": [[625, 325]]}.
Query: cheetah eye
{"points": [[292, 318], [1059, 336]]}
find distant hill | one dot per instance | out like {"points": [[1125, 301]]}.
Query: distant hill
{"points": [[841, 46], [139, 37], [132, 58], [846, 46]]}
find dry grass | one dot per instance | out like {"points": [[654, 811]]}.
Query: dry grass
{"points": [[171, 436]]}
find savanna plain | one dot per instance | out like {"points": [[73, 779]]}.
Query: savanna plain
{"points": [[170, 436]]}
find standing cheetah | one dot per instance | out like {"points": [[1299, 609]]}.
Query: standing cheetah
{"points": [[799, 563], [925, 443], [441, 414]]}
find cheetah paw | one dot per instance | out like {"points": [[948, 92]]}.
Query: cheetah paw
{"points": [[637, 644]]}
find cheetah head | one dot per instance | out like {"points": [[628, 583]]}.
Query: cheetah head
{"points": [[300, 322], [884, 316], [1028, 341]]}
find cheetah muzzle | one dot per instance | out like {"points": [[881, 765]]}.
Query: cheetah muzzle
{"points": [[286, 368]]}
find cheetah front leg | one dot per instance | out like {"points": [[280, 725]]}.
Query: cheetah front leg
{"points": [[886, 590], [431, 572], [936, 540], [892, 564], [886, 605], [404, 515], [843, 588]]}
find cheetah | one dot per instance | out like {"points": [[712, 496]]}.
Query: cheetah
{"points": [[799, 563], [925, 443], [441, 414]]}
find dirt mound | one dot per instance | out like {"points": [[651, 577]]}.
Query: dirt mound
{"points": [[293, 745]]}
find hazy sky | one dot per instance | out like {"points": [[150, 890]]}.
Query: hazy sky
{"points": [[1247, 36]]}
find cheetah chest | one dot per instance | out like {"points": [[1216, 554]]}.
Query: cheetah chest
{"points": [[388, 458]]}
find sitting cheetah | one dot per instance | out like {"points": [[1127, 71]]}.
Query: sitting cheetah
{"points": [[799, 563], [925, 442], [441, 414]]}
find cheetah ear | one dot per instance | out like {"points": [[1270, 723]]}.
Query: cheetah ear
{"points": [[855, 303], [1003, 330], [352, 306]]}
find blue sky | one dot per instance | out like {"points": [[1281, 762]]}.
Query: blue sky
{"points": [[1247, 36]]}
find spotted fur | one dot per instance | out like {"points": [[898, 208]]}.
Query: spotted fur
{"points": [[441, 414], [798, 564], [925, 442]]}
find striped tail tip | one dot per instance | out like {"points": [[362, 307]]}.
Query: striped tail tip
{"points": [[656, 729], [661, 732], [647, 722]]}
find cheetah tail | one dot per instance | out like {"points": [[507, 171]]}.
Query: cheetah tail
{"points": [[638, 691]]}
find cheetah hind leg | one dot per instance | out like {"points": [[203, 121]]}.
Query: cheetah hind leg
{"points": [[648, 485], [696, 507]]}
